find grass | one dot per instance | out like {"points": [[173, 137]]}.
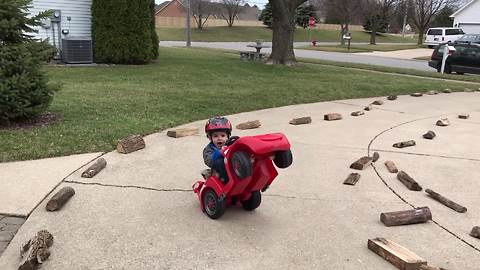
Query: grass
{"points": [[102, 104], [252, 33], [362, 48]]}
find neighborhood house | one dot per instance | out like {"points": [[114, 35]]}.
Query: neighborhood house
{"points": [[467, 17]]}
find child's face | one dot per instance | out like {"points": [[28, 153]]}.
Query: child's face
{"points": [[219, 138]]}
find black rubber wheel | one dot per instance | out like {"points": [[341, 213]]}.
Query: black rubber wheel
{"points": [[253, 202], [430, 46], [283, 159], [241, 164], [214, 208], [231, 140]]}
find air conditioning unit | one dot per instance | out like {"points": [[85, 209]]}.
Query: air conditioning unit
{"points": [[77, 50]]}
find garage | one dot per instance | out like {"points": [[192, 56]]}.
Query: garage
{"points": [[467, 17]]}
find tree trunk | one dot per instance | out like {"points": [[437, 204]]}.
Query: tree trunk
{"points": [[283, 26], [420, 37], [372, 37]]}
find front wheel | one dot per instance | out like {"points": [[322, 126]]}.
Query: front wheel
{"points": [[253, 202], [214, 208], [283, 159], [241, 164]]}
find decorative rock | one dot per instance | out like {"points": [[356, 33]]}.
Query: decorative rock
{"points": [[392, 97], [352, 179], [378, 102], [375, 156], [408, 181], [429, 135], [301, 120], [332, 116], [361, 164], [432, 92], [416, 94], [249, 125], [463, 116], [357, 113], [391, 166], [404, 144], [369, 108], [447, 91], [35, 251], [443, 122], [475, 232]]}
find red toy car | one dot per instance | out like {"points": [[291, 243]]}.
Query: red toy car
{"points": [[249, 164]]}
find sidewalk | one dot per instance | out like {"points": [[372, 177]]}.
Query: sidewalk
{"points": [[139, 212]]}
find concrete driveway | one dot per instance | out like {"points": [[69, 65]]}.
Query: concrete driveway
{"points": [[139, 212]]}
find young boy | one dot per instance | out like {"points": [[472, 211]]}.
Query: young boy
{"points": [[218, 130]]}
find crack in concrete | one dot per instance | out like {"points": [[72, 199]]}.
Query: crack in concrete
{"points": [[403, 199], [127, 186], [375, 108], [426, 155]]}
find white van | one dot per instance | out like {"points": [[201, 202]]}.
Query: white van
{"points": [[440, 35]]}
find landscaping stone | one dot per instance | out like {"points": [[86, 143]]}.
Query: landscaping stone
{"points": [[375, 156], [6, 236], [301, 121], [432, 92], [13, 220], [357, 113], [463, 116], [392, 97], [368, 108], [416, 94], [404, 144], [429, 135], [391, 166], [443, 122], [378, 102], [447, 91], [332, 116]]}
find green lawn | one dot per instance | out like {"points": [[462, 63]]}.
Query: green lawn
{"points": [[102, 104], [252, 33], [362, 48]]}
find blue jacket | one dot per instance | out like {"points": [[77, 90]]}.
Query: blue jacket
{"points": [[210, 154]]}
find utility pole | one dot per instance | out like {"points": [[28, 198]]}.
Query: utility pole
{"points": [[189, 33]]}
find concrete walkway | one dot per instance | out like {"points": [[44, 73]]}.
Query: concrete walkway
{"points": [[139, 213], [331, 56]]}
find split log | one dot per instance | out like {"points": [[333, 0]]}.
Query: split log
{"points": [[60, 198], [399, 256], [375, 156], [301, 121], [182, 132], [249, 125], [392, 97], [447, 91], [404, 144], [455, 206], [416, 94], [378, 102], [368, 108], [352, 179], [429, 135], [417, 215], [426, 267], [391, 166], [464, 116], [432, 92], [408, 181], [475, 232], [443, 122], [35, 251], [130, 144], [332, 117], [96, 167], [357, 113], [361, 163]]}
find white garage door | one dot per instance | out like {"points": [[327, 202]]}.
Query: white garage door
{"points": [[470, 28]]}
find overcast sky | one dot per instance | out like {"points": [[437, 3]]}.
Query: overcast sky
{"points": [[259, 3]]}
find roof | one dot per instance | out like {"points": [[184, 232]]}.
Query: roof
{"points": [[165, 4], [462, 8]]}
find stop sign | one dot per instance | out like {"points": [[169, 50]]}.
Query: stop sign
{"points": [[311, 22]]}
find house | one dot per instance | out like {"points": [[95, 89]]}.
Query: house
{"points": [[467, 17], [174, 8], [72, 18]]}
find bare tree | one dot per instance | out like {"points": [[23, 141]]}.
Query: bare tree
{"points": [[283, 26], [377, 13], [201, 11], [231, 9], [342, 11], [423, 13]]}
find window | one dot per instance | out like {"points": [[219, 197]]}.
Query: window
{"points": [[435, 32], [451, 32]]}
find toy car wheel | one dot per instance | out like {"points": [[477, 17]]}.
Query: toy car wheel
{"points": [[283, 159], [253, 202], [214, 208], [241, 164]]}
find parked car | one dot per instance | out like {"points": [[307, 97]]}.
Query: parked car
{"points": [[436, 36], [465, 58], [469, 38]]}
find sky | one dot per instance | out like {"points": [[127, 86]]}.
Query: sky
{"points": [[259, 3]]}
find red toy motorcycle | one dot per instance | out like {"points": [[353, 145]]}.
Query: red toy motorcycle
{"points": [[249, 165]]}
